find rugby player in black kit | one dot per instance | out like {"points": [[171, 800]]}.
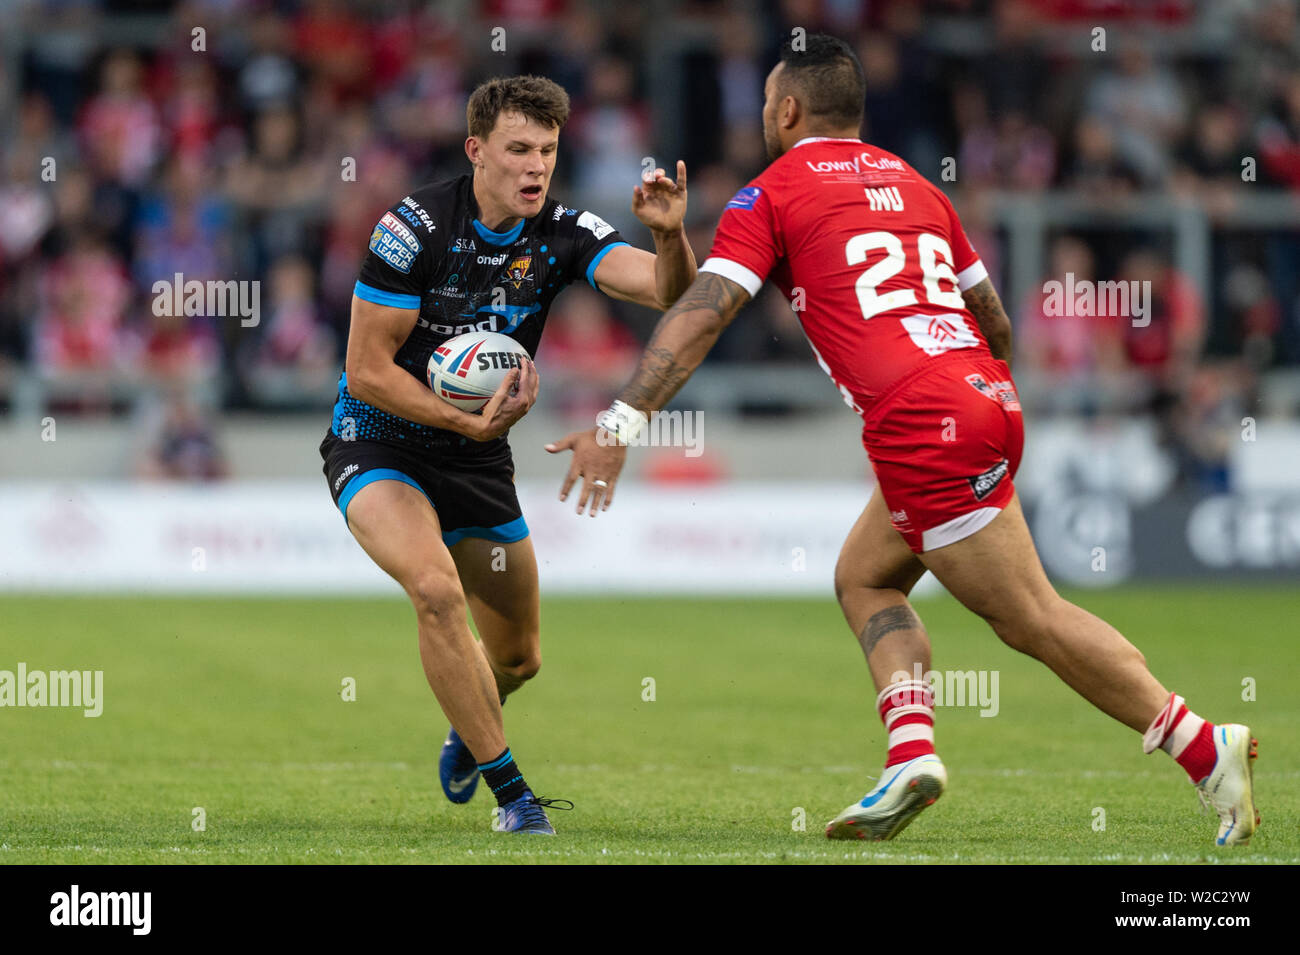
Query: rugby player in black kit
{"points": [[427, 489]]}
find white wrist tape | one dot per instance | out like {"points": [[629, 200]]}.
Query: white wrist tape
{"points": [[622, 421]]}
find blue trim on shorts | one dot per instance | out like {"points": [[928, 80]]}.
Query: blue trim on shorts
{"points": [[515, 530], [591, 268], [368, 293], [359, 481]]}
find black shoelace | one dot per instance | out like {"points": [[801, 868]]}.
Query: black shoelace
{"points": [[551, 803]]}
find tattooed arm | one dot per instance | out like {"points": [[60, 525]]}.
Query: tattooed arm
{"points": [[681, 340], [983, 302]]}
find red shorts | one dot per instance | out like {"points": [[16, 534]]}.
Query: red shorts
{"points": [[945, 444]]}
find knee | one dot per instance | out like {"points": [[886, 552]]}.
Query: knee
{"points": [[436, 595], [1026, 626], [851, 580], [843, 587], [521, 666], [1021, 635], [854, 584]]}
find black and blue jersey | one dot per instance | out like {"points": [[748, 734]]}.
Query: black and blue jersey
{"points": [[431, 252]]}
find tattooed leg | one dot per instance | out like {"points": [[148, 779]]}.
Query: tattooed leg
{"points": [[875, 573], [894, 641]]}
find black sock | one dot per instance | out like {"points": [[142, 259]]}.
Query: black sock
{"points": [[504, 778]]}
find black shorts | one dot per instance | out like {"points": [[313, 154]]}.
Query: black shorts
{"points": [[474, 497]]}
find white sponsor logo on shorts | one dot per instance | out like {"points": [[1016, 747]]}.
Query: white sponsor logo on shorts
{"points": [[347, 471], [983, 484]]}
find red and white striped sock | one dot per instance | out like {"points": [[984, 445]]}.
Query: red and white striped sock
{"points": [[907, 709], [1184, 736]]}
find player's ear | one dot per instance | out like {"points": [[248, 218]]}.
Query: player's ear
{"points": [[472, 150], [790, 112]]}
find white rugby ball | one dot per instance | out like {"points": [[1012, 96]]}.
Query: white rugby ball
{"points": [[467, 370]]}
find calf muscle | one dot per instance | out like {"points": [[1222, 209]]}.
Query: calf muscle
{"points": [[996, 573]]}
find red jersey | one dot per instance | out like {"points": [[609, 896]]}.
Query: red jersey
{"points": [[869, 253]]}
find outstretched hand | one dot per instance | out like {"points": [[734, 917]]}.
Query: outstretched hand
{"points": [[660, 202], [598, 462]]}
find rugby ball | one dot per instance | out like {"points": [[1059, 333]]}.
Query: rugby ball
{"points": [[466, 371]]}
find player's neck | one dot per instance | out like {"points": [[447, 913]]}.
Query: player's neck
{"points": [[804, 132], [492, 216]]}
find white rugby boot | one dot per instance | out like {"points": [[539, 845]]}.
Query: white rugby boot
{"points": [[902, 793], [1230, 788]]}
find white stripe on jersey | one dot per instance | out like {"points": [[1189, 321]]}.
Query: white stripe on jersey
{"points": [[972, 275], [728, 269]]}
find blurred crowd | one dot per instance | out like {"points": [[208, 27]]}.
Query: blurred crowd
{"points": [[215, 139]]}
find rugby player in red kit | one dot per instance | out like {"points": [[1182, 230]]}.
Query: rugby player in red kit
{"points": [[901, 314]]}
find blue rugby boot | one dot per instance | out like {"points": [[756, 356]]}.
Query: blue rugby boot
{"points": [[528, 814], [457, 769]]}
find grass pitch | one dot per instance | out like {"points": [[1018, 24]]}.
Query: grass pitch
{"points": [[761, 717]]}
